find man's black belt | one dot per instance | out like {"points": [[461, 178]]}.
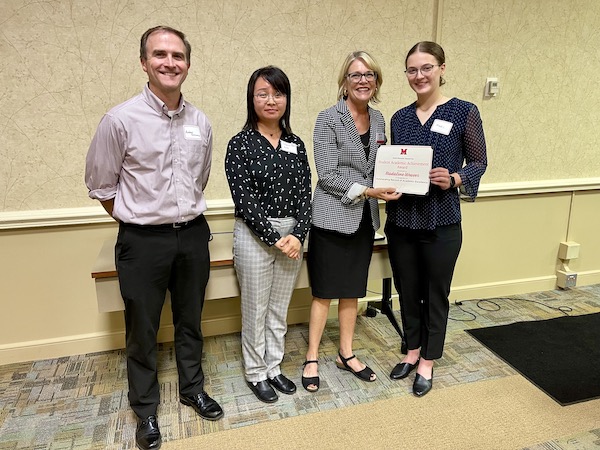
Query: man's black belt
{"points": [[165, 226]]}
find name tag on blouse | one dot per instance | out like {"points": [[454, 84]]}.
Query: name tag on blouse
{"points": [[441, 126], [289, 147], [192, 133]]}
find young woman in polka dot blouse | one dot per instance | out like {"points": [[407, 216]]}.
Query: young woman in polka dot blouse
{"points": [[424, 232]]}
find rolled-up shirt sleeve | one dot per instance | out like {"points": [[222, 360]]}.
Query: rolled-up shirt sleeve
{"points": [[104, 159], [357, 193]]}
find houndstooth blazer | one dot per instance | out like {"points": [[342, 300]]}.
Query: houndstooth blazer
{"points": [[340, 161]]}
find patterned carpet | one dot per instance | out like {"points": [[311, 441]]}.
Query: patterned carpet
{"points": [[80, 402]]}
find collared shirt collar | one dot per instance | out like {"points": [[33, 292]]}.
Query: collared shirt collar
{"points": [[157, 104]]}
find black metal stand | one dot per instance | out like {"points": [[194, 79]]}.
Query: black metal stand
{"points": [[385, 307]]}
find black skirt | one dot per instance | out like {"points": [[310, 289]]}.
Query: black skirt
{"points": [[338, 264]]}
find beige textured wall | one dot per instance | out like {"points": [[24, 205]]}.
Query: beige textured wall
{"points": [[543, 124], [65, 62]]}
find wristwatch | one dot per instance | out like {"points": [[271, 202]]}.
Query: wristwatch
{"points": [[452, 181]]}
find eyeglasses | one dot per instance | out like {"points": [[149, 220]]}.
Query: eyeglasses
{"points": [[355, 77], [425, 70], [277, 96]]}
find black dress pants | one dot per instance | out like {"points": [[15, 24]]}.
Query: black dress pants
{"points": [[151, 259], [423, 263]]}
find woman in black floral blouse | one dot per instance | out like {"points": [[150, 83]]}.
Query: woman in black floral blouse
{"points": [[269, 178]]}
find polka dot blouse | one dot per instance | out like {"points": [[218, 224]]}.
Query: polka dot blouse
{"points": [[269, 182], [465, 144]]}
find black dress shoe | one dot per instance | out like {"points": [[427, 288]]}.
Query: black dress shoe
{"points": [[402, 370], [206, 407], [147, 434], [422, 385], [263, 391], [283, 384]]}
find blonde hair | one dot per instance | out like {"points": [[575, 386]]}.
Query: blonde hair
{"points": [[368, 61]]}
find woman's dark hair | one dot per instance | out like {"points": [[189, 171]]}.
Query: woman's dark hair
{"points": [[280, 82], [432, 48]]}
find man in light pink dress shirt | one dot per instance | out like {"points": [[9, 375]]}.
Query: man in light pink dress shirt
{"points": [[148, 165]]}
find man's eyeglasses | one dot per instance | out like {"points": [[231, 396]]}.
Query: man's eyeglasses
{"points": [[355, 77], [425, 70], [277, 96]]}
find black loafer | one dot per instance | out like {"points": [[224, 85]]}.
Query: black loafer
{"points": [[147, 434], [422, 385], [263, 391], [206, 407], [402, 370], [283, 384]]}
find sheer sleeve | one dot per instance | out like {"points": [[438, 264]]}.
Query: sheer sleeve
{"points": [[475, 154]]}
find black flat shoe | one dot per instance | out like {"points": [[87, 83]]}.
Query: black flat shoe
{"points": [[147, 434], [205, 407], [364, 374], [263, 391], [422, 386], [402, 370], [283, 384], [310, 381]]}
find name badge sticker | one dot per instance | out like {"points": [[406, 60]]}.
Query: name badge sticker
{"points": [[380, 138], [289, 147], [192, 133], [441, 126]]}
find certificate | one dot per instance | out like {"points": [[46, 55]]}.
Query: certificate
{"points": [[405, 167]]}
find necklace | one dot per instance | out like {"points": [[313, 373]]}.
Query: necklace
{"points": [[270, 134]]}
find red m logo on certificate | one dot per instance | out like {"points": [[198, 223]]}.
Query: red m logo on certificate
{"points": [[403, 151]]}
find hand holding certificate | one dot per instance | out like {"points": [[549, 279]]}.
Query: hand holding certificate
{"points": [[405, 167]]}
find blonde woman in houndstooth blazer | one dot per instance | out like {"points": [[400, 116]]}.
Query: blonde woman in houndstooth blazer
{"points": [[345, 210]]}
